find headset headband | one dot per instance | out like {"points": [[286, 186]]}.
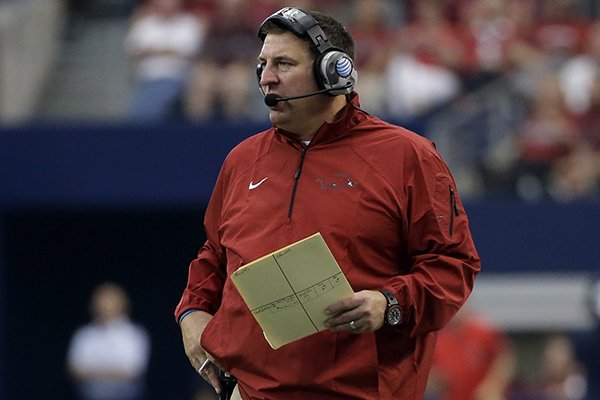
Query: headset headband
{"points": [[301, 24], [333, 68]]}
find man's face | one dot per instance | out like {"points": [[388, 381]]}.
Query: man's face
{"points": [[288, 71]]}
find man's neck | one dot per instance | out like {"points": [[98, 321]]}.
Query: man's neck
{"points": [[330, 114]]}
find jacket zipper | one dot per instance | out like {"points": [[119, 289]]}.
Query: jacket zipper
{"points": [[453, 209], [296, 179]]}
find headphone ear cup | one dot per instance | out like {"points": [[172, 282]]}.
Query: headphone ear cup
{"points": [[259, 70], [260, 67], [334, 70]]}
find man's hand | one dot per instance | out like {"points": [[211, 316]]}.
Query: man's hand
{"points": [[192, 327], [360, 313]]}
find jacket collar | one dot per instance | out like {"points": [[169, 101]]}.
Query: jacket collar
{"points": [[350, 116]]}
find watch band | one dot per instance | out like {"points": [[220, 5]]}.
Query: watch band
{"points": [[391, 299], [393, 312]]}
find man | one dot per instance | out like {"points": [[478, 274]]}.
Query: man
{"points": [[482, 370], [384, 202], [108, 357], [161, 43]]}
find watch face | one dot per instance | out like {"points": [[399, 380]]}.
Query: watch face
{"points": [[394, 315]]}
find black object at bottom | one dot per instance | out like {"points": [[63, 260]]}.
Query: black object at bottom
{"points": [[228, 383]]}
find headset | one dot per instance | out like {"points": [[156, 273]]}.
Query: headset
{"points": [[334, 69]]}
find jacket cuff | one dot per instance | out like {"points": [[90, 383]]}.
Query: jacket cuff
{"points": [[186, 313]]}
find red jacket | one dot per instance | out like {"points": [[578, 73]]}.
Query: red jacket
{"points": [[386, 205]]}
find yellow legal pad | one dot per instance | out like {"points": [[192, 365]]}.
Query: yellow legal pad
{"points": [[287, 290]]}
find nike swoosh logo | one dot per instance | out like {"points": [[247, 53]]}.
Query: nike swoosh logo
{"points": [[253, 185]]}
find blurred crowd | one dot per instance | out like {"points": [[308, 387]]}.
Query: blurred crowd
{"points": [[108, 357], [194, 60], [476, 360]]}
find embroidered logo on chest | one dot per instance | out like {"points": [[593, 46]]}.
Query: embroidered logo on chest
{"points": [[340, 180], [253, 185]]}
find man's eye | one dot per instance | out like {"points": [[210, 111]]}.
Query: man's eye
{"points": [[284, 64]]}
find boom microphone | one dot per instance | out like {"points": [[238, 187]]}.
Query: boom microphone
{"points": [[272, 99]]}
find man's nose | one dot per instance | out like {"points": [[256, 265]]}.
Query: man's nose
{"points": [[268, 76]]}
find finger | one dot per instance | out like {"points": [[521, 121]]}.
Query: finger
{"points": [[344, 317], [354, 326], [202, 369], [202, 361], [341, 324], [211, 375], [344, 305], [363, 325], [214, 362]]}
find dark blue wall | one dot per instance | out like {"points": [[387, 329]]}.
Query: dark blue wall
{"points": [[512, 236], [114, 165], [83, 203], [118, 166]]}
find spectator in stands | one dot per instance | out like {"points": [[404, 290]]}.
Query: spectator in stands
{"points": [[221, 81], [563, 376], [473, 360], [589, 121], [161, 43], [547, 35], [107, 358], [373, 38], [559, 374], [486, 31], [421, 73], [578, 175], [202, 8], [546, 137], [525, 61], [587, 344], [579, 73], [560, 32]]}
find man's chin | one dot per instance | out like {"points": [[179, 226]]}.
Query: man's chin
{"points": [[278, 117]]}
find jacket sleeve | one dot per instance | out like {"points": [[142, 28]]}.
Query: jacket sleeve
{"points": [[207, 273], [440, 249]]}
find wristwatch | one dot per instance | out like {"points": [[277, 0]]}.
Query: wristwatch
{"points": [[393, 311]]}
